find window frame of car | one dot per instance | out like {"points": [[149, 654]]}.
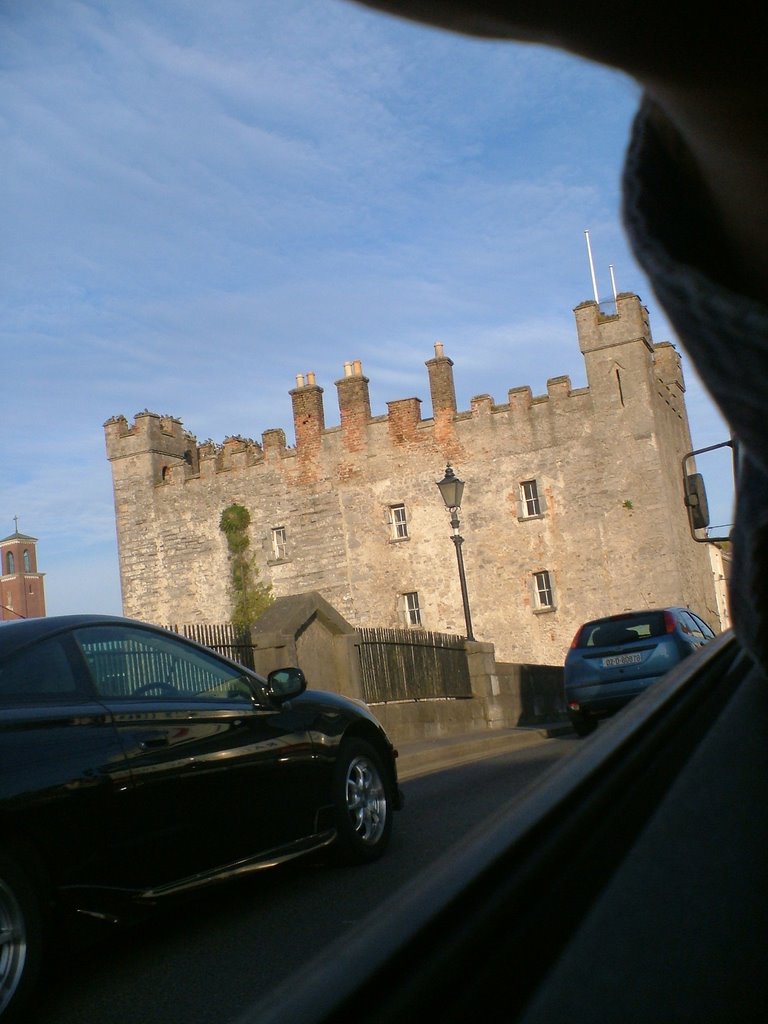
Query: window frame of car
{"points": [[242, 685]]}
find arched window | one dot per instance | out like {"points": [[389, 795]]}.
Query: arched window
{"points": [[27, 561], [10, 566]]}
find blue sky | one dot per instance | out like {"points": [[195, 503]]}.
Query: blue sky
{"points": [[201, 201]]}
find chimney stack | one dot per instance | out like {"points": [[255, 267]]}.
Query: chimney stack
{"points": [[354, 405], [441, 385], [308, 414]]}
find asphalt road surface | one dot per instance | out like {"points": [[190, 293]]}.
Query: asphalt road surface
{"points": [[207, 961]]}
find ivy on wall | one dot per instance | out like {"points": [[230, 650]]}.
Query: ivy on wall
{"points": [[250, 596]]}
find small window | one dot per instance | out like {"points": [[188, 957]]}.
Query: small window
{"points": [[411, 609], [10, 565], [279, 543], [27, 561], [530, 502], [542, 590], [398, 521]]}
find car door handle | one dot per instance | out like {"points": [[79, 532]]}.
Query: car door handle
{"points": [[151, 742]]}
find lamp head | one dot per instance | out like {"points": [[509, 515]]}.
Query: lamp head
{"points": [[451, 488]]}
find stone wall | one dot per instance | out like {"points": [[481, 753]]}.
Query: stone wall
{"points": [[611, 532], [305, 631]]}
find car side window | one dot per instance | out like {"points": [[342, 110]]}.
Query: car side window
{"points": [[692, 625], [130, 663], [42, 671], [704, 629]]}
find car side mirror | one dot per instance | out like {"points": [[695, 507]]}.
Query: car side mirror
{"points": [[285, 683], [695, 494], [696, 501]]}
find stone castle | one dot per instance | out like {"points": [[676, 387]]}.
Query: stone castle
{"points": [[573, 505]]}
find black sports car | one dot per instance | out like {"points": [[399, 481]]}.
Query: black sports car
{"points": [[137, 766]]}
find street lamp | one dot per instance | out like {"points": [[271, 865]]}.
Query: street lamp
{"points": [[451, 489]]}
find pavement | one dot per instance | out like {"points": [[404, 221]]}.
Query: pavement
{"points": [[418, 757]]}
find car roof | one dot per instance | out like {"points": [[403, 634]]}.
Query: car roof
{"points": [[639, 611], [19, 632]]}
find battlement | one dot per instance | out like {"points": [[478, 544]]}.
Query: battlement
{"points": [[620, 356], [149, 432], [599, 330]]}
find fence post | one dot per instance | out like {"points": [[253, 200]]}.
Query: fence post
{"points": [[351, 681]]}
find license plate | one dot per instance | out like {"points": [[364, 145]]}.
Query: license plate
{"points": [[622, 659]]}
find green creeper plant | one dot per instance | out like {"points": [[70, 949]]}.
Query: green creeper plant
{"points": [[250, 596]]}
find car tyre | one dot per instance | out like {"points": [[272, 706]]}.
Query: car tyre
{"points": [[583, 725], [21, 939], [362, 803]]}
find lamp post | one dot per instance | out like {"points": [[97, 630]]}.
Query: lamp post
{"points": [[451, 489]]}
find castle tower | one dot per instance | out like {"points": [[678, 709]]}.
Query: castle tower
{"points": [[22, 594], [146, 457], [639, 438], [618, 353]]}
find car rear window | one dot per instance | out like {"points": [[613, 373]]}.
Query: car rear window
{"points": [[626, 630], [39, 672]]}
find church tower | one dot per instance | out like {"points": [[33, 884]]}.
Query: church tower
{"points": [[22, 593]]}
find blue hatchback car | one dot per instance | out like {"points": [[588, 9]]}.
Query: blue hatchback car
{"points": [[612, 660]]}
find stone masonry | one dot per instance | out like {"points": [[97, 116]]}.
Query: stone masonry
{"points": [[573, 505]]}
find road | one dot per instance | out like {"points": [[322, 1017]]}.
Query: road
{"points": [[207, 961]]}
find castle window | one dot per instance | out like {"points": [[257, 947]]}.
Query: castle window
{"points": [[27, 561], [531, 503], [398, 521], [10, 565], [411, 609], [279, 543], [543, 595]]}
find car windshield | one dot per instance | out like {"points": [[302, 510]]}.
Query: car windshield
{"points": [[623, 630]]}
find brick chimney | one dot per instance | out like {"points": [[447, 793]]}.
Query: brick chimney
{"points": [[441, 386], [308, 414], [443, 395], [354, 405]]}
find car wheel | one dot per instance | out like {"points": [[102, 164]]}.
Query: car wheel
{"points": [[583, 725], [20, 939], [362, 803]]}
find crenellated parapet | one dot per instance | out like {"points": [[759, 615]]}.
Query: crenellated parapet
{"points": [[170, 449], [149, 432], [623, 365]]}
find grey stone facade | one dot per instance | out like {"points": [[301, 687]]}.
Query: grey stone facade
{"points": [[604, 518]]}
